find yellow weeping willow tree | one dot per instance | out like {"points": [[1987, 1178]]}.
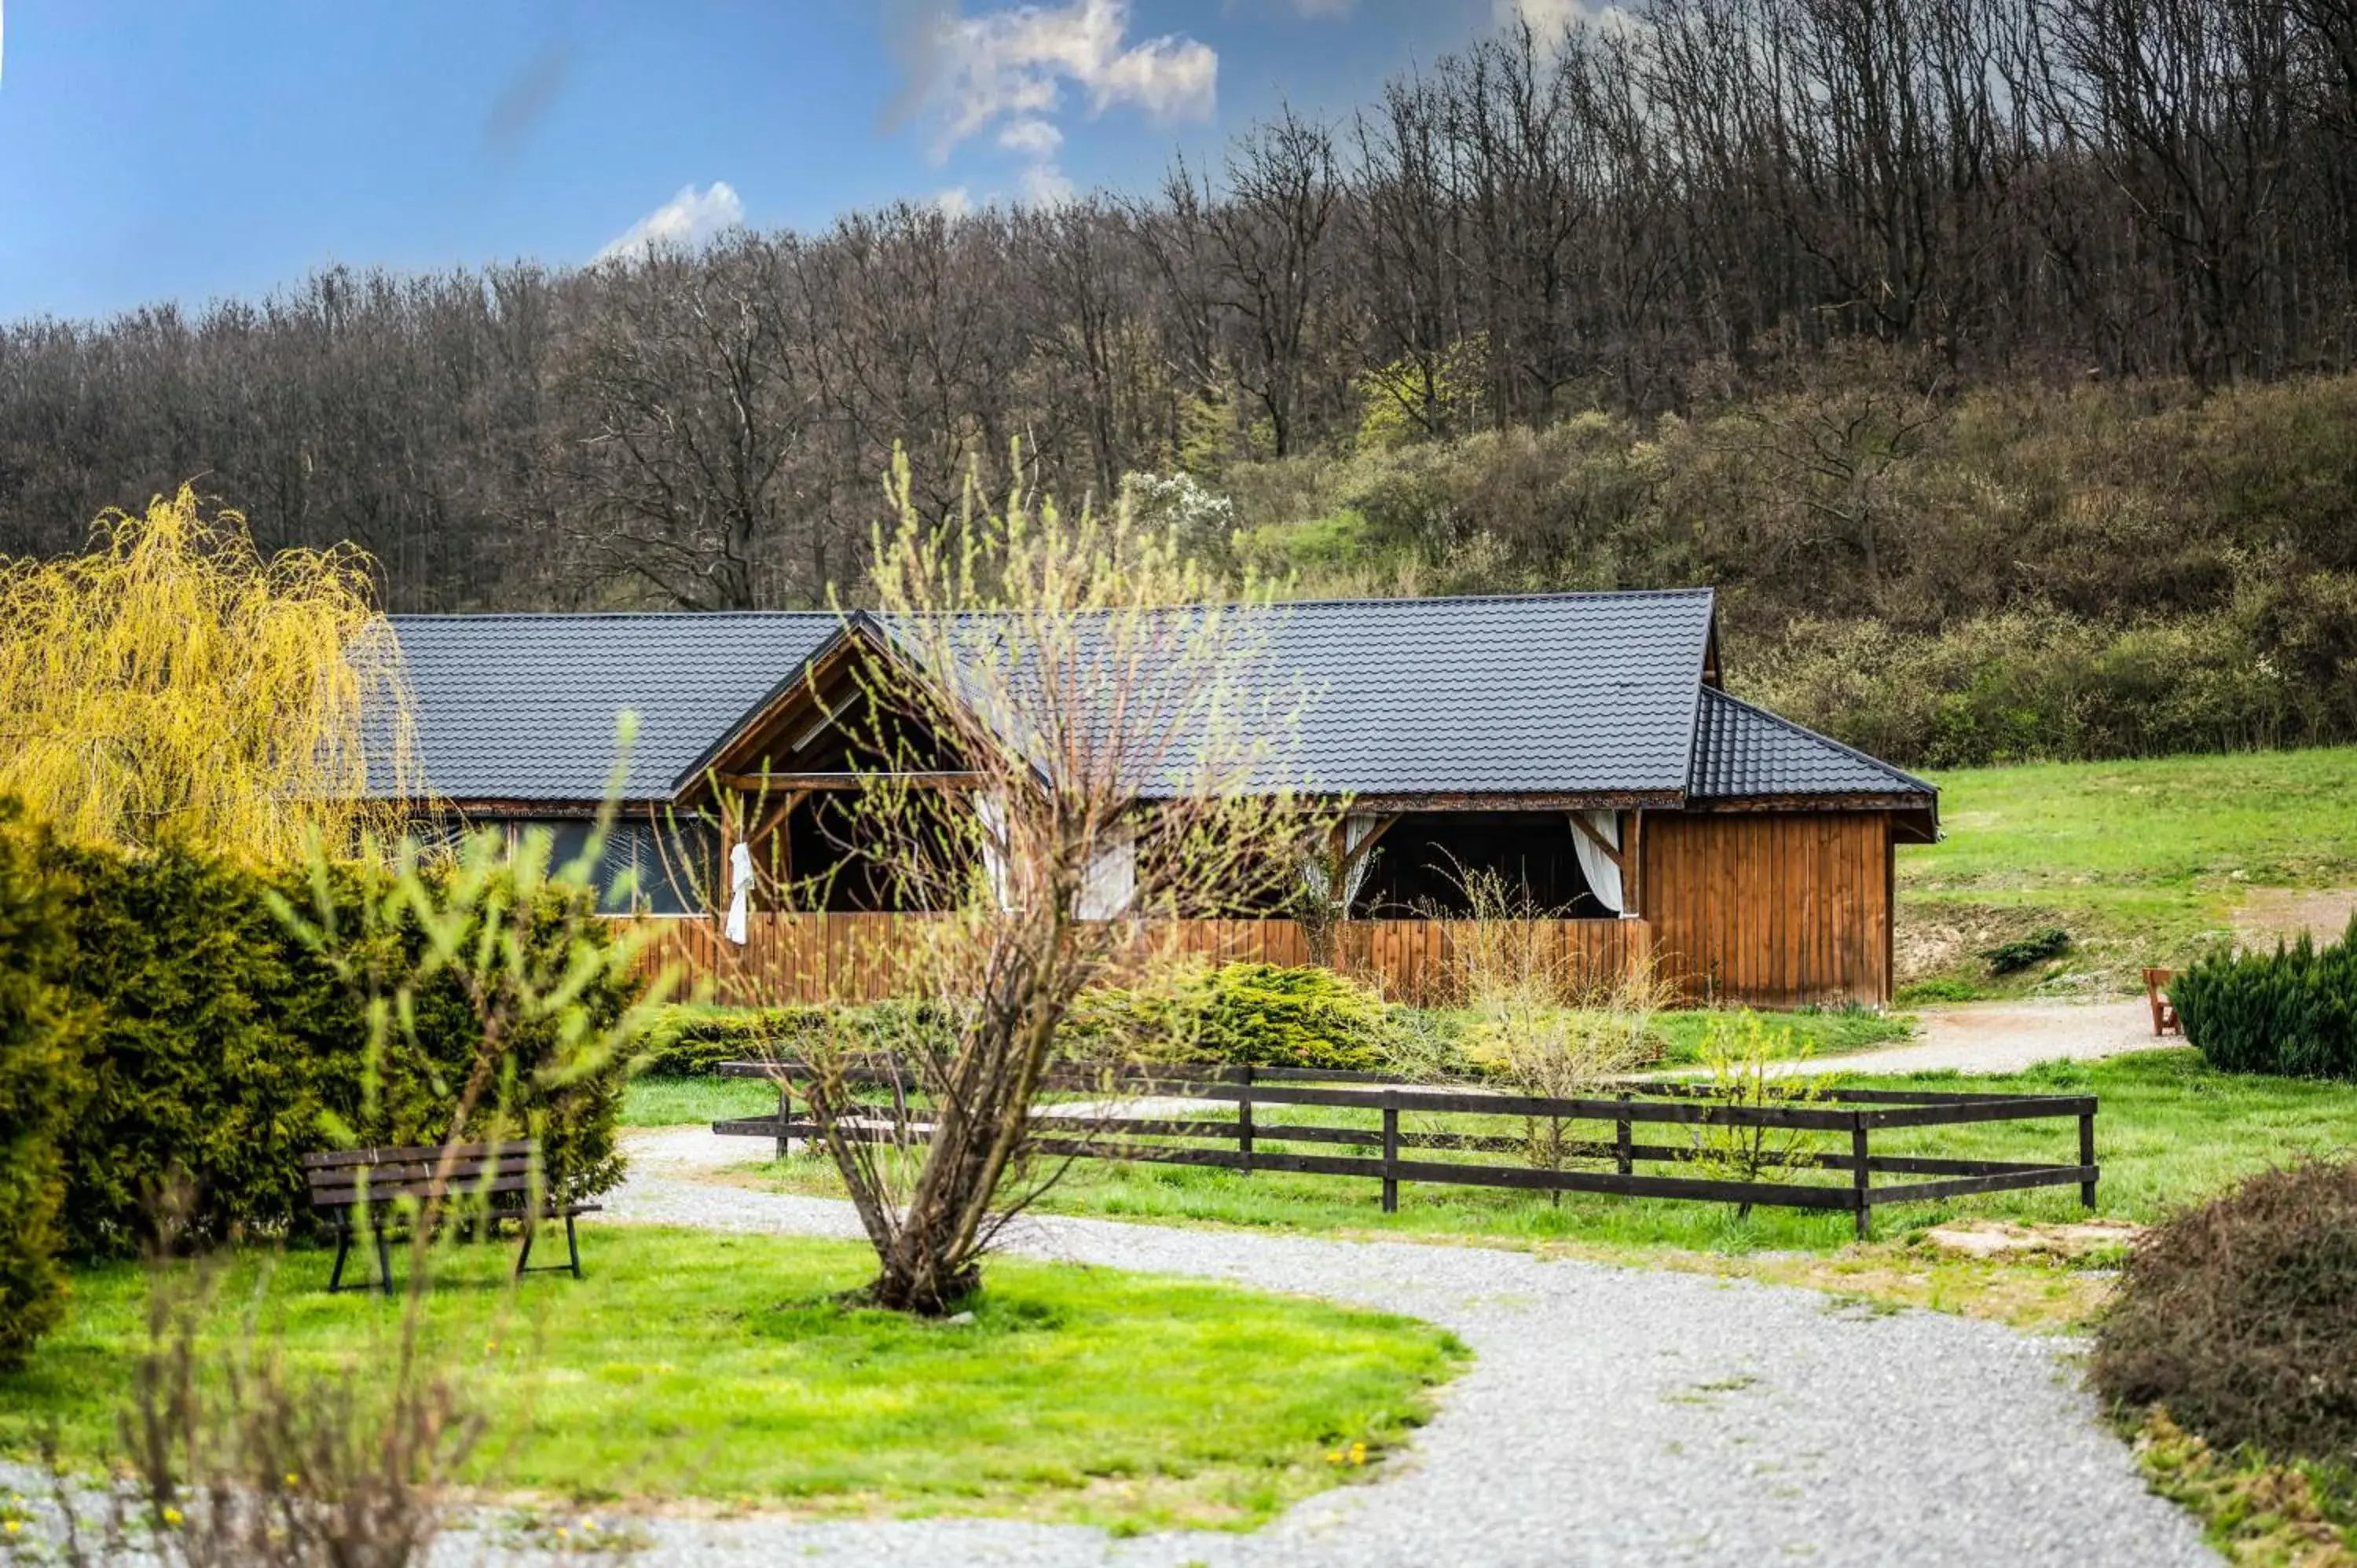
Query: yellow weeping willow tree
{"points": [[174, 684]]}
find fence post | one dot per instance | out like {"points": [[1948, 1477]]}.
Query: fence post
{"points": [[1244, 1124], [1624, 1139], [2087, 1155], [1391, 1153], [785, 1114], [1858, 1174]]}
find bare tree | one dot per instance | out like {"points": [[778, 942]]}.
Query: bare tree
{"points": [[1128, 756]]}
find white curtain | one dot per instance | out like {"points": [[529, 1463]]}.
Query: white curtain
{"points": [[992, 812], [1358, 827], [1603, 875], [740, 891], [1111, 884]]}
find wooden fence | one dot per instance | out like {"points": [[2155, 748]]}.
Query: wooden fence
{"points": [[1832, 1130], [793, 958]]}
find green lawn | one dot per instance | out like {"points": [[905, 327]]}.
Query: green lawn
{"points": [[2143, 862], [2171, 1131], [726, 1368]]}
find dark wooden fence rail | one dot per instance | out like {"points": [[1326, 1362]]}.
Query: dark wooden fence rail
{"points": [[1243, 1144]]}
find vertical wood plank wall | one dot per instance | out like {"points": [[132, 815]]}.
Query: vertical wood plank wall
{"points": [[1772, 908], [1776, 908], [790, 958]]}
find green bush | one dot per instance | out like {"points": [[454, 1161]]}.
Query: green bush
{"points": [[223, 1047], [2240, 1316], [2048, 941], [2293, 1011], [1253, 1015], [41, 1086]]}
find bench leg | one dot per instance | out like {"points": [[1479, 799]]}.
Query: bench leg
{"points": [[343, 1251], [524, 1256], [384, 1261], [572, 1247]]}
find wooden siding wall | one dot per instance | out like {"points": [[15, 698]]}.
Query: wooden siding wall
{"points": [[1774, 908], [852, 957]]}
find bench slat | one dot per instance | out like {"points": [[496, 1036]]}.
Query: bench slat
{"points": [[414, 1151]]}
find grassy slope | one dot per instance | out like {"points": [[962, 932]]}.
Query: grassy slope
{"points": [[2143, 862], [724, 1368]]}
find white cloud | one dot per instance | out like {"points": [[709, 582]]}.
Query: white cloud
{"points": [[1033, 138], [1016, 63], [1045, 185], [689, 219], [954, 200], [1548, 18]]}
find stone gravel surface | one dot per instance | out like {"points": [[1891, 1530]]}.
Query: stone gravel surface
{"points": [[1611, 1415]]}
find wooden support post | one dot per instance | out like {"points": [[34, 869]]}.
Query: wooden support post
{"points": [[785, 1114], [1391, 1154], [2087, 1157], [1624, 1142], [1244, 1124], [1859, 1176]]}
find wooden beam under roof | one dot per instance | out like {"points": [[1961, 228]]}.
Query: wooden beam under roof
{"points": [[784, 783]]}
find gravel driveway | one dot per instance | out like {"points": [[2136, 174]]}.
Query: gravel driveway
{"points": [[1610, 1416], [2006, 1036]]}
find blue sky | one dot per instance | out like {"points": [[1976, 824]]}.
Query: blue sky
{"points": [[167, 149]]}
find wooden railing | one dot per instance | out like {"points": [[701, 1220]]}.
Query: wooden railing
{"points": [[790, 958], [1819, 1156]]}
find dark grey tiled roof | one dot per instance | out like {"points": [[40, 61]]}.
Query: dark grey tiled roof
{"points": [[1569, 694], [1742, 751], [1559, 693], [524, 708]]}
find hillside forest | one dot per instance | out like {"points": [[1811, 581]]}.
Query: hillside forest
{"points": [[1997, 362]]}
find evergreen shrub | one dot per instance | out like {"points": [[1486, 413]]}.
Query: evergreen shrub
{"points": [[223, 1047], [1255, 1014], [41, 1086], [2293, 1011]]}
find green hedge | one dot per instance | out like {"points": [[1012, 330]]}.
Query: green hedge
{"points": [[1255, 1014], [41, 1086], [223, 1048], [2292, 1012]]}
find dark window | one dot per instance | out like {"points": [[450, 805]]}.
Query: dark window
{"points": [[647, 868], [1421, 862]]}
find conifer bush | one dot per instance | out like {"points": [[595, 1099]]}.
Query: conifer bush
{"points": [[41, 1087], [1241, 1014], [2293, 1011], [2240, 1316], [223, 1047]]}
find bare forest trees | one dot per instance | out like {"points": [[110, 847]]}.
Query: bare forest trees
{"points": [[1689, 200]]}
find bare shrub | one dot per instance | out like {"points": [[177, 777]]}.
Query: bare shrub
{"points": [[1124, 753], [1536, 1022], [1750, 1066]]}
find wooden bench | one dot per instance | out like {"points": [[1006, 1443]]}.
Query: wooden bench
{"points": [[485, 1183], [2164, 1011]]}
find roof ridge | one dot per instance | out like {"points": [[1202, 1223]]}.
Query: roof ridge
{"points": [[479, 616]]}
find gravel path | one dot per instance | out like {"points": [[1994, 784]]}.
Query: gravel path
{"points": [[2006, 1036], [1610, 1416]]}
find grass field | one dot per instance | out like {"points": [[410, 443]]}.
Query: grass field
{"points": [[2143, 862], [727, 1369]]}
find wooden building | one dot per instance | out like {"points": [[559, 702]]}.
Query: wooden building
{"points": [[1580, 746]]}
